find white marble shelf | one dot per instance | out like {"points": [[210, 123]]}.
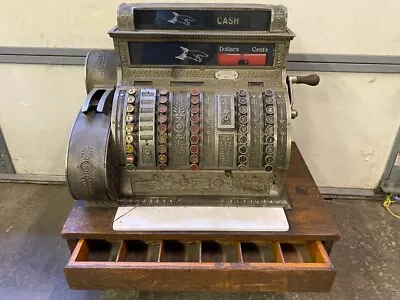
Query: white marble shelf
{"points": [[200, 219]]}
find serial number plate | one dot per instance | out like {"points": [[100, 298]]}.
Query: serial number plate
{"points": [[226, 75]]}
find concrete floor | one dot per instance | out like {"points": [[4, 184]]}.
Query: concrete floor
{"points": [[33, 255]]}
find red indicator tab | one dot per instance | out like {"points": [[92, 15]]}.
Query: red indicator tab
{"points": [[227, 59]]}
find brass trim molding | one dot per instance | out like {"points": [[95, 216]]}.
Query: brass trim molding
{"points": [[327, 192]]}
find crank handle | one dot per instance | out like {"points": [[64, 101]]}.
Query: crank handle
{"points": [[312, 79]]}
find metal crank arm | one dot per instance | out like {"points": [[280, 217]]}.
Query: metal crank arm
{"points": [[311, 80]]}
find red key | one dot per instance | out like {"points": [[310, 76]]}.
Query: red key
{"points": [[194, 139], [194, 149], [194, 159], [195, 92], [195, 100], [195, 119], [195, 109], [163, 99], [194, 128], [162, 108], [163, 92], [162, 128], [162, 118]]}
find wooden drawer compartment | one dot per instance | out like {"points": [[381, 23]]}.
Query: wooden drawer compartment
{"points": [[171, 265]]}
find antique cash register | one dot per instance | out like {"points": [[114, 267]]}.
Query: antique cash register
{"points": [[186, 126], [192, 108]]}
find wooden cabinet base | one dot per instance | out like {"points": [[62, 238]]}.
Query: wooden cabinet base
{"points": [[295, 261]]}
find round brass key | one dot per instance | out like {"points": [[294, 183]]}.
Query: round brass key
{"points": [[162, 138], [269, 93], [242, 93], [243, 119], [129, 138], [269, 109], [242, 159], [243, 149], [162, 148], [130, 108], [131, 99], [269, 100], [270, 139], [243, 129], [269, 149], [243, 139], [129, 118], [268, 168], [243, 109], [162, 158], [269, 159], [242, 100], [270, 119], [129, 128], [129, 148]]}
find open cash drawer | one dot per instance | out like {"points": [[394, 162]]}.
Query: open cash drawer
{"points": [[193, 265]]}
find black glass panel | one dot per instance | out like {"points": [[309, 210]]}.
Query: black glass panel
{"points": [[193, 53], [205, 19]]}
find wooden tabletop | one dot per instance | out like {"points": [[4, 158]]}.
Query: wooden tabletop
{"points": [[309, 218]]}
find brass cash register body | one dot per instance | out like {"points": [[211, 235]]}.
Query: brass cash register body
{"points": [[190, 108]]}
